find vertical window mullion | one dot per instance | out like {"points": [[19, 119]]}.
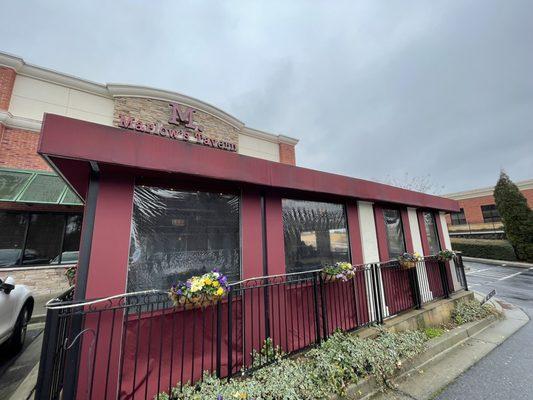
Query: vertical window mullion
{"points": [[28, 220], [65, 222]]}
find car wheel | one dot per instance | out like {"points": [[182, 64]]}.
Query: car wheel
{"points": [[21, 327]]}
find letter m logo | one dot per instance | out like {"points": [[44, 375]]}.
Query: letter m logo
{"points": [[179, 115]]}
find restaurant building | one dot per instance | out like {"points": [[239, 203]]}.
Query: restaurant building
{"points": [[40, 216], [157, 187]]}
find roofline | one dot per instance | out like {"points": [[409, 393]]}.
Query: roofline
{"points": [[113, 90], [486, 191], [109, 145]]}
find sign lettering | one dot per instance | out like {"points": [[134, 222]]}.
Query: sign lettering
{"points": [[190, 131]]}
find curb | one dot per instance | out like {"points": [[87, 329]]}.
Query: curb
{"points": [[438, 349], [502, 263], [36, 319]]}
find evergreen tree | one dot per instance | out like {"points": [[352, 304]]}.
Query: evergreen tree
{"points": [[517, 217]]}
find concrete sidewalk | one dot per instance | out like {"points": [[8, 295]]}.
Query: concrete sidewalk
{"points": [[501, 263], [427, 380]]}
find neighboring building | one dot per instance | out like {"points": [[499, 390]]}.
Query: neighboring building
{"points": [[40, 216], [478, 216]]}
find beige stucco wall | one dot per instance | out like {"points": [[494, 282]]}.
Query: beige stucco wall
{"points": [[254, 147], [32, 98]]}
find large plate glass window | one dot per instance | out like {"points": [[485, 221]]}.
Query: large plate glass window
{"points": [[315, 234], [394, 229], [178, 234], [38, 238], [431, 233]]}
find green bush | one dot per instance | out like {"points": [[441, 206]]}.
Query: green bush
{"points": [[433, 332], [341, 360], [516, 215], [470, 310], [485, 248]]}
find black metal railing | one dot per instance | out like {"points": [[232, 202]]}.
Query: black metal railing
{"points": [[134, 346]]}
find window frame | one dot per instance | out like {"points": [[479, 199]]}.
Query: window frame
{"points": [[27, 216], [458, 221], [383, 209], [316, 200], [435, 230], [488, 220]]}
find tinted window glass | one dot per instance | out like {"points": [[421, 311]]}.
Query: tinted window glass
{"points": [[71, 242], [431, 233], [45, 235], [44, 188], [458, 218], [12, 230], [315, 234], [394, 229], [490, 213], [11, 183], [178, 234]]}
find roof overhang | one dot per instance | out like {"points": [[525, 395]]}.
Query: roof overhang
{"points": [[70, 145]]}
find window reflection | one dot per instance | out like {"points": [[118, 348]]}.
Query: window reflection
{"points": [[431, 233], [315, 234], [394, 229], [178, 234]]}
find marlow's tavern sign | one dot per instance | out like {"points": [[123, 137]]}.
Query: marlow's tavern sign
{"points": [[189, 130]]}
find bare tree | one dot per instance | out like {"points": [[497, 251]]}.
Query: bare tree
{"points": [[421, 183]]}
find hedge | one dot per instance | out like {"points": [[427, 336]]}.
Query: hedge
{"points": [[485, 248]]}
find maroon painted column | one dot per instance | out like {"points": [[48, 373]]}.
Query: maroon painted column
{"points": [[274, 236], [107, 276], [407, 231], [252, 234]]}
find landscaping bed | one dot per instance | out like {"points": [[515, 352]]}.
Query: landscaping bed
{"points": [[336, 368]]}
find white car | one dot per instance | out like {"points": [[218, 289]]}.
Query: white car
{"points": [[16, 307]]}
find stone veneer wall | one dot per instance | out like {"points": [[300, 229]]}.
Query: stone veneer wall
{"points": [[42, 281], [154, 111]]}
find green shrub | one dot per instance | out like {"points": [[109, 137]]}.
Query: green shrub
{"points": [[341, 360], [516, 215], [485, 248], [433, 332], [470, 310]]}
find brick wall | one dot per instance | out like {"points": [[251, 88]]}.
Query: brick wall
{"points": [[7, 80], [45, 281], [18, 149], [287, 154], [472, 207]]}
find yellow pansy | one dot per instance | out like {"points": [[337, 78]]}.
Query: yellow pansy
{"points": [[216, 284], [220, 292], [208, 281]]}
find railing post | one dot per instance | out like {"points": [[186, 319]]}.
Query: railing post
{"points": [[315, 300], [324, 307], [48, 355], [219, 338], [459, 260], [376, 289], [444, 279], [415, 287], [230, 334], [354, 290]]}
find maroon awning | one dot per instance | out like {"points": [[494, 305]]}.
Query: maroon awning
{"points": [[70, 145]]}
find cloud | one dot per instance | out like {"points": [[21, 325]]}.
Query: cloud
{"points": [[371, 89]]}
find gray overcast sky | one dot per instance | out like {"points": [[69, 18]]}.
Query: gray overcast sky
{"points": [[372, 89]]}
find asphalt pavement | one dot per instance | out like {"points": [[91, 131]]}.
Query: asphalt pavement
{"points": [[506, 373]]}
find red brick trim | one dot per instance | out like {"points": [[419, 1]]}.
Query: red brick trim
{"points": [[7, 81]]}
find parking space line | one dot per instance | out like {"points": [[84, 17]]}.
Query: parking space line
{"points": [[513, 275]]}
